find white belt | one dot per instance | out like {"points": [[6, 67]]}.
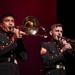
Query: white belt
{"points": [[60, 67], [15, 61]]}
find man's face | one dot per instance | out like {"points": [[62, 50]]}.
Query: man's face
{"points": [[8, 23], [56, 31]]}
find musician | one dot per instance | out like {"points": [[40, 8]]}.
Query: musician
{"points": [[55, 52], [11, 46]]}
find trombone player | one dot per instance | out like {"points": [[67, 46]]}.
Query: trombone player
{"points": [[58, 53], [11, 46]]}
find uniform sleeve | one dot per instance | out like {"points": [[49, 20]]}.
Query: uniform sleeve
{"points": [[73, 47], [50, 57], [21, 50], [6, 47]]}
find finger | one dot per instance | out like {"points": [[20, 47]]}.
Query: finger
{"points": [[20, 36], [23, 33]]}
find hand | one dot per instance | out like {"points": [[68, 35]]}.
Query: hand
{"points": [[66, 46], [17, 34]]}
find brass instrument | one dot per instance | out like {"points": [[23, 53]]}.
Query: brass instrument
{"points": [[70, 41], [31, 26]]}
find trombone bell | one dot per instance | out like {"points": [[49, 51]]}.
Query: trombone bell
{"points": [[31, 25]]}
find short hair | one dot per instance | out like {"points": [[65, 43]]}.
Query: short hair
{"points": [[5, 15], [56, 25]]}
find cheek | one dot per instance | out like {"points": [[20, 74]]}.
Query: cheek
{"points": [[5, 25], [54, 34], [13, 24]]}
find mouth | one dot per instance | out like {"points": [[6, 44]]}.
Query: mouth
{"points": [[10, 28]]}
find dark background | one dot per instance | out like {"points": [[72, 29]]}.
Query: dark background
{"points": [[66, 16]]}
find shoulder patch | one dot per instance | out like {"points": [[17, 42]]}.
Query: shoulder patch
{"points": [[43, 51]]}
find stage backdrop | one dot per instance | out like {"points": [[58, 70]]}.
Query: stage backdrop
{"points": [[46, 13]]}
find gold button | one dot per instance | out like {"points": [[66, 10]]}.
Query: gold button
{"points": [[52, 56], [8, 37], [57, 45], [55, 54], [6, 43], [3, 46], [55, 42], [11, 55], [5, 33], [2, 41], [58, 48], [11, 41], [53, 51]]}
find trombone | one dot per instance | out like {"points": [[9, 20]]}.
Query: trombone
{"points": [[31, 26]]}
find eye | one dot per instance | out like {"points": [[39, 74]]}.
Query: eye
{"points": [[57, 30], [7, 20], [13, 21]]}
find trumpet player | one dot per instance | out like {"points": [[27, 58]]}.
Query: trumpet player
{"points": [[56, 53], [11, 46]]}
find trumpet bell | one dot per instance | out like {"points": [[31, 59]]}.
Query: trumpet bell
{"points": [[31, 25]]}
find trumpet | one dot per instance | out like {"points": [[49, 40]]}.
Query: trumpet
{"points": [[63, 41], [31, 26], [67, 39]]}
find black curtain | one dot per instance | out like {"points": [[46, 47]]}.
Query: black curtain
{"points": [[66, 16]]}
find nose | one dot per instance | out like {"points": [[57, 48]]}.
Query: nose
{"points": [[10, 22], [59, 34]]}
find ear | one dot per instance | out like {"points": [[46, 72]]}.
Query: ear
{"points": [[50, 32]]}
